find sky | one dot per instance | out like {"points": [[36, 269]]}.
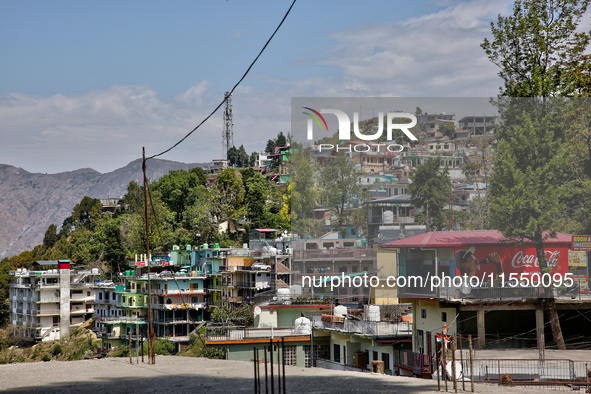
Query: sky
{"points": [[87, 84]]}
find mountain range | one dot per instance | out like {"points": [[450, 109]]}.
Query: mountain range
{"points": [[31, 202]]}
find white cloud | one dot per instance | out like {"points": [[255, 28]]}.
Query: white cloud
{"points": [[433, 55]]}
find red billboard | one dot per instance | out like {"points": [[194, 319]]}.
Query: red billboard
{"points": [[484, 261]]}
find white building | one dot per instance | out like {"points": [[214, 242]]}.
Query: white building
{"points": [[45, 304]]}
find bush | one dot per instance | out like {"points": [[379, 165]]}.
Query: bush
{"points": [[161, 346], [57, 350], [122, 351], [46, 357]]}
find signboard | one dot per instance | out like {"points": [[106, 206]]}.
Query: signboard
{"points": [[484, 261], [581, 243], [577, 259]]}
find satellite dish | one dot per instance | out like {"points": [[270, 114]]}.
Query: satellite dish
{"points": [[257, 311]]}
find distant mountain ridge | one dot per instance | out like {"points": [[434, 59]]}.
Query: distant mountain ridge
{"points": [[30, 202]]}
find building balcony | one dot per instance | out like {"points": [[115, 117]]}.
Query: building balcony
{"points": [[123, 319], [46, 312], [198, 305], [44, 300], [334, 254], [133, 305], [232, 299], [76, 311]]}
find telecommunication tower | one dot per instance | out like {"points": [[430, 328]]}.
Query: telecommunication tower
{"points": [[228, 129]]}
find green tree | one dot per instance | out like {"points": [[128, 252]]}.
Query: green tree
{"points": [[530, 179], [448, 129], [133, 200], [304, 192], [280, 140], [201, 175], [234, 159], [339, 180], [199, 216], [539, 48], [270, 146], [106, 243], [174, 190], [430, 191], [243, 156], [255, 200], [86, 213], [228, 196], [51, 236]]}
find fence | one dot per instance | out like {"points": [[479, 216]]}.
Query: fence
{"points": [[540, 373], [364, 327]]}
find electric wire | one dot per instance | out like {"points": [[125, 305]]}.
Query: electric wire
{"points": [[231, 91]]}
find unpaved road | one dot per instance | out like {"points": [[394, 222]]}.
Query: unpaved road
{"points": [[175, 375]]}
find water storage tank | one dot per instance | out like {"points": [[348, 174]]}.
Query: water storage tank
{"points": [[388, 217], [95, 271], [373, 313], [303, 326], [283, 294], [340, 310]]}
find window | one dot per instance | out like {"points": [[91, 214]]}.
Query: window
{"points": [[322, 352], [424, 313], [100, 296], [444, 316], [343, 269]]}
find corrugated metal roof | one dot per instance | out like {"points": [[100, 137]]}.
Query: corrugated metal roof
{"points": [[457, 238]]}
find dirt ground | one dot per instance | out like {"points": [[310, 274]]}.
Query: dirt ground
{"points": [[177, 375]]}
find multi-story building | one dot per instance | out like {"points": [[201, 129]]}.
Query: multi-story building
{"points": [[264, 266], [318, 258], [482, 305], [441, 116], [478, 124], [47, 302]]}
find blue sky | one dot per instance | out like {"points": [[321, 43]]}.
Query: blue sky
{"points": [[87, 84]]}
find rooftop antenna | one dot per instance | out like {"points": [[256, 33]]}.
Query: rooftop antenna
{"points": [[228, 129]]}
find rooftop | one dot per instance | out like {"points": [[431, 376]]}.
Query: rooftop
{"points": [[458, 238]]}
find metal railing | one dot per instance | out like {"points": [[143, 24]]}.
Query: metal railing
{"points": [[46, 312], [364, 327], [486, 291], [336, 254], [123, 319]]}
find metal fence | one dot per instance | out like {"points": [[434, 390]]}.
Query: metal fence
{"points": [[364, 327]]}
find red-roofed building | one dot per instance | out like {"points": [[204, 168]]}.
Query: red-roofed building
{"points": [[486, 274]]}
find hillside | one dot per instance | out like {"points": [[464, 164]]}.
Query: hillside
{"points": [[30, 202]]}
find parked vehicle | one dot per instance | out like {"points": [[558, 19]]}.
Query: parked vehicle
{"points": [[260, 267]]}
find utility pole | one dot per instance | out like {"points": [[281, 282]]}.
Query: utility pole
{"points": [[151, 356]]}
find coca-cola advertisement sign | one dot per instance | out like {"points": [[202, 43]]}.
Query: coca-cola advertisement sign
{"points": [[482, 261]]}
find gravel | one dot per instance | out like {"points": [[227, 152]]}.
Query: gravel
{"points": [[177, 375]]}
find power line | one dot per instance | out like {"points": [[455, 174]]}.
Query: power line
{"points": [[231, 91]]}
